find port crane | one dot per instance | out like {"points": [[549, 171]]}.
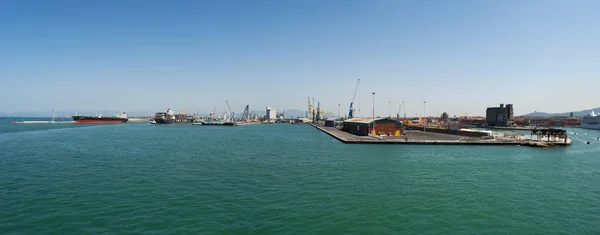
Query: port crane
{"points": [[351, 111], [315, 114], [246, 114], [213, 113], [310, 108], [229, 110]]}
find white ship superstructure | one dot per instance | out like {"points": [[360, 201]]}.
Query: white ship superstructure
{"points": [[591, 121]]}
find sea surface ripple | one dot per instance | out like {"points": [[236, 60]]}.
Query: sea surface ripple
{"points": [[285, 179]]}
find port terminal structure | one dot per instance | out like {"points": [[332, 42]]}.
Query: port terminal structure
{"points": [[432, 138]]}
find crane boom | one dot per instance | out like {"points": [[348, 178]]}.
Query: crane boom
{"points": [[351, 111], [229, 109], [245, 115], [310, 107]]}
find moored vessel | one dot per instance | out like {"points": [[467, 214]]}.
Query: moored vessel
{"points": [[591, 121], [169, 117], [99, 119], [217, 123], [213, 120]]}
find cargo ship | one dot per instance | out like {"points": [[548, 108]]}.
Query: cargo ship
{"points": [[99, 119], [169, 117]]}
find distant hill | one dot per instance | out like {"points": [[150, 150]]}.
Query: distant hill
{"points": [[575, 113]]}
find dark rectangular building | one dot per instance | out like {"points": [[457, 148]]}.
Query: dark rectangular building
{"points": [[364, 126], [500, 116], [332, 123]]}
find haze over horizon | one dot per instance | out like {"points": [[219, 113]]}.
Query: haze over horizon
{"points": [[145, 56]]}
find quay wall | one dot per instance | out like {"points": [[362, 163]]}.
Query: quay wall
{"points": [[452, 132]]}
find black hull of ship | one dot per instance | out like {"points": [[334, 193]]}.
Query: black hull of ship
{"points": [[173, 121], [218, 124], [97, 120]]}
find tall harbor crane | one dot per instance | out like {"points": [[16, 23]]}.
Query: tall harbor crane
{"points": [[351, 112], [311, 112], [315, 113], [318, 111], [310, 108], [229, 110], [213, 114], [246, 114]]}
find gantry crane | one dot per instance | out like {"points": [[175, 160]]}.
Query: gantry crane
{"points": [[351, 111], [315, 113]]}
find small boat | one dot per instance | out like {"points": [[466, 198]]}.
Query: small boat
{"points": [[153, 122]]}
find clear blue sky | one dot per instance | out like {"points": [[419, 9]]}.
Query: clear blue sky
{"points": [[145, 56]]}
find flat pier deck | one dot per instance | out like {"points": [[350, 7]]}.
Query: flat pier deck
{"points": [[430, 138], [42, 122]]}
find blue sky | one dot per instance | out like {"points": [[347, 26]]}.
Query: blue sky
{"points": [[145, 56]]}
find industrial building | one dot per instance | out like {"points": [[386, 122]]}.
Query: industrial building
{"points": [[549, 121], [364, 126], [500, 116], [332, 122], [271, 114], [472, 122]]}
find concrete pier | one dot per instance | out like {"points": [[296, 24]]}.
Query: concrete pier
{"points": [[42, 122], [419, 137]]}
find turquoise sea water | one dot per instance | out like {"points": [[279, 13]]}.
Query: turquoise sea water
{"points": [[285, 179]]}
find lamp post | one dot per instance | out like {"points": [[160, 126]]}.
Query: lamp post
{"points": [[373, 111], [339, 105], [404, 110], [424, 121], [399, 111]]}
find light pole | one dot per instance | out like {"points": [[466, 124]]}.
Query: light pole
{"points": [[373, 111], [404, 110], [399, 111], [389, 109], [339, 105], [424, 121]]}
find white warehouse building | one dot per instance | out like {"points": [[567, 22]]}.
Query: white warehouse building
{"points": [[271, 114]]}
